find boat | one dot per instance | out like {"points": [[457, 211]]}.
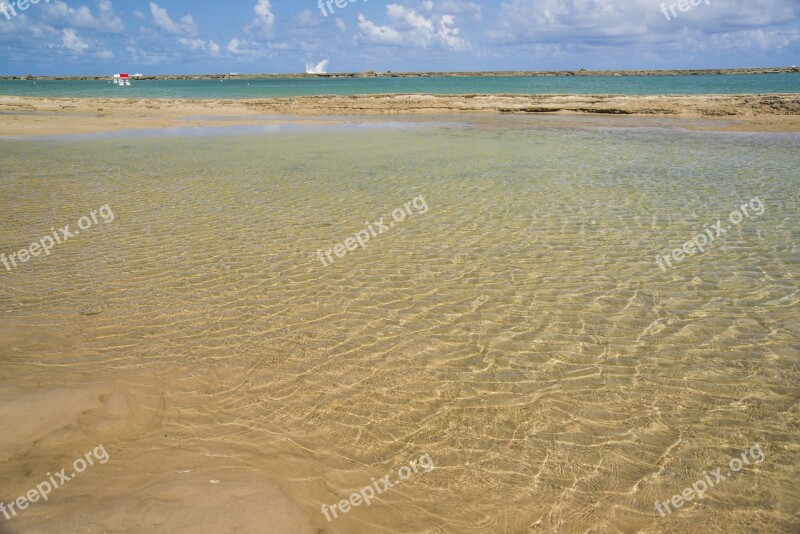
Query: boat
{"points": [[122, 79]]}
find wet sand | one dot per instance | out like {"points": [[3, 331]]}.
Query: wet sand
{"points": [[27, 116], [148, 484]]}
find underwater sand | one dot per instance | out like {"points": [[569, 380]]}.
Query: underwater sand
{"points": [[518, 332]]}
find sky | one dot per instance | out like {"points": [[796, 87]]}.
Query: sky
{"points": [[101, 37]]}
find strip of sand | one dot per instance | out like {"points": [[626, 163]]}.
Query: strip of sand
{"points": [[30, 116]]}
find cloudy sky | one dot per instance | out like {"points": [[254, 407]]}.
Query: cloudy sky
{"points": [[220, 36]]}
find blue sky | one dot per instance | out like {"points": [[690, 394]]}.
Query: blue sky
{"points": [[259, 36]]}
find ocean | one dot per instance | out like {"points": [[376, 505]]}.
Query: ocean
{"points": [[507, 319], [629, 85]]}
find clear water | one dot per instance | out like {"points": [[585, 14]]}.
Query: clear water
{"points": [[518, 332], [631, 85]]}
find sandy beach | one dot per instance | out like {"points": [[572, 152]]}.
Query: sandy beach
{"points": [[169, 490], [517, 330], [29, 116], [418, 267]]}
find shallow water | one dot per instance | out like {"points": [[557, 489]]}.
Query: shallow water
{"points": [[519, 331]]}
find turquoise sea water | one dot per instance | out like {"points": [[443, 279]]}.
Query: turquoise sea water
{"points": [[632, 85]]}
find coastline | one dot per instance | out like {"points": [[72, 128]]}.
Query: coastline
{"points": [[438, 74], [39, 116]]}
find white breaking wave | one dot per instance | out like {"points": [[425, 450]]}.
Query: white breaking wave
{"points": [[319, 68]]}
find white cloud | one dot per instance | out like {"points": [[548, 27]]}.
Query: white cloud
{"points": [[65, 35], [263, 9], [165, 24], [59, 14], [758, 39], [192, 44], [380, 35], [413, 29], [196, 45], [611, 22], [307, 19], [233, 46], [263, 26], [244, 49], [448, 34], [453, 7], [409, 18], [71, 41]]}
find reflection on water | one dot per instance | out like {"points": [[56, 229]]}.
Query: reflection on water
{"points": [[518, 333]]}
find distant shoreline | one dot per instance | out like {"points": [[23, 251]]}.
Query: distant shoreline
{"points": [[388, 74]]}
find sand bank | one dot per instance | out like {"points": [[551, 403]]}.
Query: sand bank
{"points": [[28, 116]]}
